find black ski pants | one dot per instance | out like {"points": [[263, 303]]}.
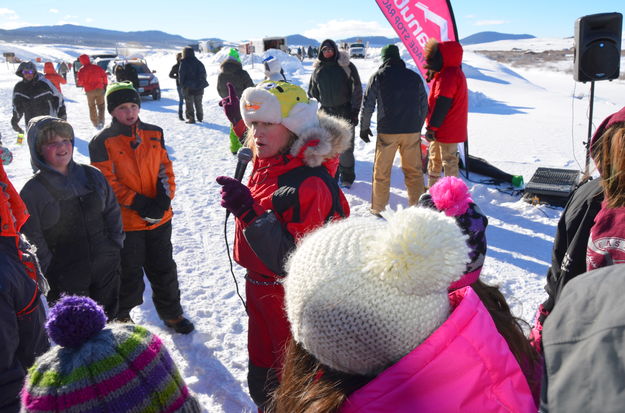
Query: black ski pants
{"points": [[150, 251]]}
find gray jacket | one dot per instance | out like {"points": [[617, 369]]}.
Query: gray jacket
{"points": [[44, 208], [584, 345]]}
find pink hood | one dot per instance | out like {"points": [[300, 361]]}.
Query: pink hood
{"points": [[464, 366]]}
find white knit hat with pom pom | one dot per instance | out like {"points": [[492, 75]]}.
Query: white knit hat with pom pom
{"points": [[362, 293]]}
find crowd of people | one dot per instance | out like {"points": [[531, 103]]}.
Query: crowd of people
{"points": [[378, 313]]}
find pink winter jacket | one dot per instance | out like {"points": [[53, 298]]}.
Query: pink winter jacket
{"points": [[464, 366]]}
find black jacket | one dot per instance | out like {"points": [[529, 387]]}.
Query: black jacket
{"points": [[35, 98], [22, 317], [335, 83], [400, 96], [232, 72], [192, 73], [173, 73], [568, 258]]}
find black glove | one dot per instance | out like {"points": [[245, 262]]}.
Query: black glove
{"points": [[147, 208], [162, 199], [364, 135], [430, 135]]}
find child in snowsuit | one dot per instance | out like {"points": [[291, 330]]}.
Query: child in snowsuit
{"points": [[289, 193], [75, 221], [132, 156]]}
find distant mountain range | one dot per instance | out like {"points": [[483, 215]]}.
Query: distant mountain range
{"points": [[91, 36], [486, 37]]}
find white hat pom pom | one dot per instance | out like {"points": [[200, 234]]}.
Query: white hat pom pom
{"points": [[420, 251]]}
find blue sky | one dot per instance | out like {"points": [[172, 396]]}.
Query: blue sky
{"points": [[318, 19]]}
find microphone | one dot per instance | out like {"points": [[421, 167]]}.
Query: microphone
{"points": [[244, 157]]}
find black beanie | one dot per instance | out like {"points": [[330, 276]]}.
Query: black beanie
{"points": [[390, 51], [121, 92]]}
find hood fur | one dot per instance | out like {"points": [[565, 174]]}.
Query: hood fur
{"points": [[333, 136]]}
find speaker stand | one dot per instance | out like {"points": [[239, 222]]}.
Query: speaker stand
{"points": [[592, 99]]}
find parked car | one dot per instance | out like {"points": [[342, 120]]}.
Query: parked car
{"points": [[357, 50], [148, 82]]}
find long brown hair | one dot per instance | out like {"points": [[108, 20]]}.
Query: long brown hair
{"points": [[309, 387], [610, 160], [510, 328]]}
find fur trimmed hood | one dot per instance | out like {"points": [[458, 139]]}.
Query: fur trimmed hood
{"points": [[343, 61], [317, 144]]}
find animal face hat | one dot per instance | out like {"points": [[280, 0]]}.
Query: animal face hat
{"points": [[279, 102], [361, 293]]}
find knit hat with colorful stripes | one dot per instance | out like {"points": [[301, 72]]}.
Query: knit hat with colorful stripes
{"points": [[120, 368]]}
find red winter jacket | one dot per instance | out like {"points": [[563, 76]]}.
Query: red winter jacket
{"points": [[90, 76], [51, 74], [313, 195], [450, 82]]}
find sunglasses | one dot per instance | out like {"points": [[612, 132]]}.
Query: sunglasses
{"points": [[327, 49], [28, 72]]}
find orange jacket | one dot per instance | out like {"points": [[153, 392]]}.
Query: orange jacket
{"points": [[90, 76], [133, 159], [51, 74]]}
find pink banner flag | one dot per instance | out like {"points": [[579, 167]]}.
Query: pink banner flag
{"points": [[417, 20]]}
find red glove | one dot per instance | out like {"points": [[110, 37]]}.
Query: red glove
{"points": [[231, 105]]}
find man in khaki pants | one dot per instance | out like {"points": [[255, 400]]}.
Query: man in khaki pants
{"points": [[92, 78], [402, 107]]}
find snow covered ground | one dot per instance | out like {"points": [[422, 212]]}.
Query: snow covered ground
{"points": [[519, 120]]}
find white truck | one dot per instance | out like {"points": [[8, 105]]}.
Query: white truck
{"points": [[357, 50]]}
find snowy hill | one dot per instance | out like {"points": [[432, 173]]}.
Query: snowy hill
{"points": [[487, 37], [519, 119]]}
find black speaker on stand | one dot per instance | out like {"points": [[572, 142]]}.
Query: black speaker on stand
{"points": [[597, 56]]}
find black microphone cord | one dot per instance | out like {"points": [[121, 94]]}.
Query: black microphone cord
{"points": [[236, 284]]}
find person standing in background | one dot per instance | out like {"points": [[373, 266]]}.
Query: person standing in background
{"points": [[192, 77], [54, 77], [173, 73], [402, 105], [448, 107], [34, 96], [233, 79], [92, 78], [335, 83]]}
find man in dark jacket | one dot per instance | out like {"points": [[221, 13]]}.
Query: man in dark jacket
{"points": [[192, 77], [402, 106], [22, 316], [335, 83], [33, 96]]}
